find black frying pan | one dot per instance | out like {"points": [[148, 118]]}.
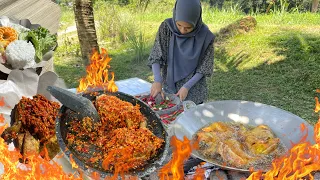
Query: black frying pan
{"points": [[153, 123]]}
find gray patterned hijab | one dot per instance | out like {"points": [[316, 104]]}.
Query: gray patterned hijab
{"points": [[185, 50]]}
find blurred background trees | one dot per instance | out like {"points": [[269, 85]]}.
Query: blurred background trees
{"points": [[264, 6], [248, 6]]}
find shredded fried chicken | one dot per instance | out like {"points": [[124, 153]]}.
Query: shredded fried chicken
{"points": [[38, 116], [120, 141]]}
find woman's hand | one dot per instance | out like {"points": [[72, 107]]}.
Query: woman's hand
{"points": [[182, 93], [156, 88]]}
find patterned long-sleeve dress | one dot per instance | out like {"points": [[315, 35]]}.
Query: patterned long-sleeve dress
{"points": [[159, 54]]}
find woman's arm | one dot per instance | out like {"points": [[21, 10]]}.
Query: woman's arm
{"points": [[156, 72], [157, 58], [205, 67], [193, 80]]}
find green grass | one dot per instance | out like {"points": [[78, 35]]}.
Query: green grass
{"points": [[67, 18], [276, 64]]}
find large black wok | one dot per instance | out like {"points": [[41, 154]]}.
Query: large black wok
{"points": [[284, 124], [153, 123]]}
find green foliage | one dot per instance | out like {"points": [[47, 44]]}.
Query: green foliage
{"points": [[65, 3], [42, 40], [113, 23], [119, 26], [263, 6], [138, 44]]}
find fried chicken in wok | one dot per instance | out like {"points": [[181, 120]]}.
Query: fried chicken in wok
{"points": [[239, 145]]}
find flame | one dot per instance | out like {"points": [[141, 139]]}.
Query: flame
{"points": [[1, 104], [1, 101], [199, 174], [98, 73], [1, 118], [36, 168], [317, 108], [301, 160], [73, 163], [181, 152]]}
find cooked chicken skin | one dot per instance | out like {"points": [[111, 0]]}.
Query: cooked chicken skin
{"points": [[235, 143]]}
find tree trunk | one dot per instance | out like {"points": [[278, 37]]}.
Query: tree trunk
{"points": [[83, 10], [315, 4]]}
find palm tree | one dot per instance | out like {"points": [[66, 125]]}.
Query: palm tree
{"points": [[83, 10], [315, 4]]}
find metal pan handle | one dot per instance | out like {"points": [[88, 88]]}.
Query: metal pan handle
{"points": [[188, 105]]}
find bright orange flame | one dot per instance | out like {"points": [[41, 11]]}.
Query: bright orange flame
{"points": [[37, 167], [301, 160], [98, 73], [1, 101], [121, 166], [1, 118], [73, 163], [317, 108], [199, 174], [181, 152], [1, 104]]}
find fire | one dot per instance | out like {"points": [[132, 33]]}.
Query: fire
{"points": [[1, 104], [36, 168], [1, 118], [73, 163], [98, 73], [317, 108], [301, 160], [2, 101], [199, 174], [120, 167], [181, 152]]}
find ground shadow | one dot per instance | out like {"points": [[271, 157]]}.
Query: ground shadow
{"points": [[289, 84]]}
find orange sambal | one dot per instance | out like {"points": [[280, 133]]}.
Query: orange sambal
{"points": [[119, 141]]}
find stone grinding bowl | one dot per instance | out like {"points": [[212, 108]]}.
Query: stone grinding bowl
{"points": [[153, 123]]}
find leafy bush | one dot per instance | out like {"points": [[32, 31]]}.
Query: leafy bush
{"points": [[116, 24], [262, 6], [138, 44], [113, 23]]}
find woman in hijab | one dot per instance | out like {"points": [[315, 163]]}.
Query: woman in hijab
{"points": [[182, 55]]}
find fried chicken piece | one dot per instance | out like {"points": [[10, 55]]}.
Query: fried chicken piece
{"points": [[233, 152], [52, 147], [37, 116], [208, 142], [261, 140], [115, 113], [20, 140], [221, 129], [30, 145], [143, 124], [217, 127], [12, 131], [141, 143], [211, 136]]}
